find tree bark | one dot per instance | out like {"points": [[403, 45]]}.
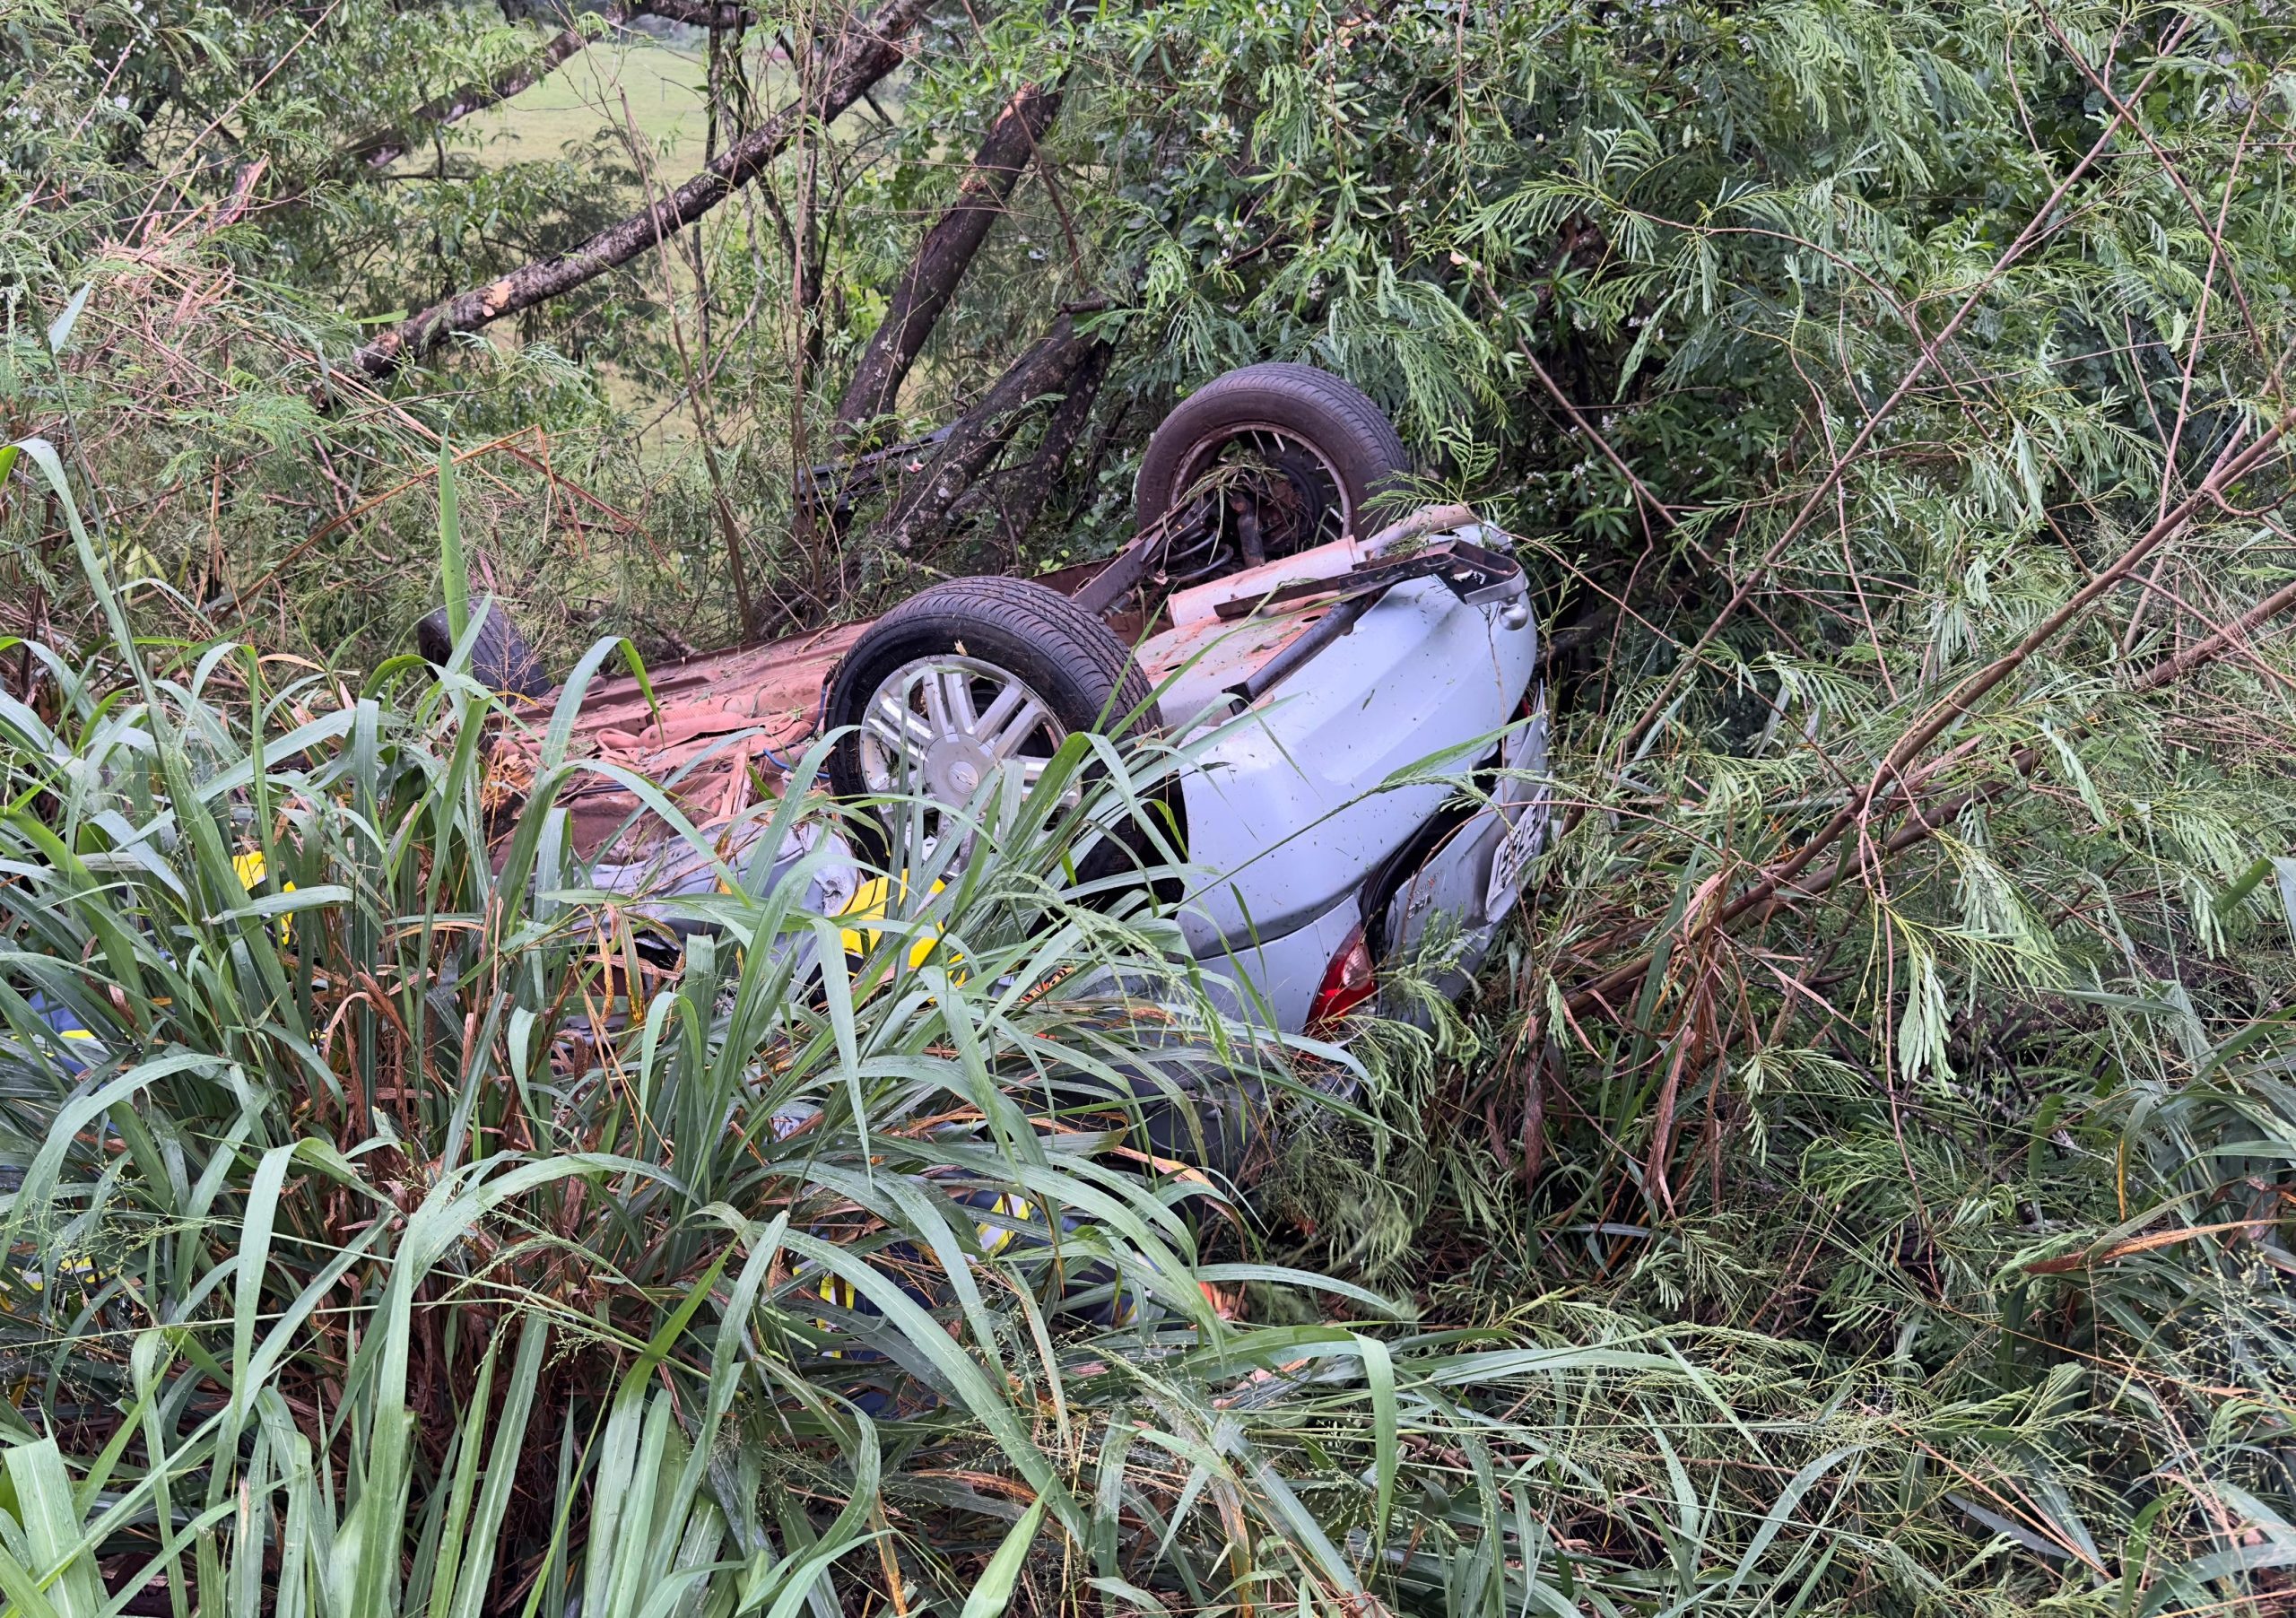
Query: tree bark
{"points": [[942, 258], [1017, 494], [702, 13], [925, 506], [865, 51], [382, 147]]}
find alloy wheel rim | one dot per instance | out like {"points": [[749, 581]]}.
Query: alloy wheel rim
{"points": [[944, 725]]}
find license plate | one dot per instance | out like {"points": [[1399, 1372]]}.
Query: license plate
{"points": [[1523, 801]]}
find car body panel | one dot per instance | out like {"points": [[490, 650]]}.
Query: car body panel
{"points": [[1298, 806], [1271, 979], [1289, 803]]}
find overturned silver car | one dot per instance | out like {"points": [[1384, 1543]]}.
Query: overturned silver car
{"points": [[1351, 708]]}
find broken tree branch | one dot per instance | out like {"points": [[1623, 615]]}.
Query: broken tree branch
{"points": [[1018, 493], [924, 508], [1792, 878], [865, 51], [702, 13], [943, 257], [2229, 469]]}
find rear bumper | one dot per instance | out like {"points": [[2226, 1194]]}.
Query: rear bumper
{"points": [[1272, 982], [1437, 933], [1438, 926]]}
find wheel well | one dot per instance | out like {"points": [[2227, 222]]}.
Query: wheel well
{"points": [[1388, 877]]}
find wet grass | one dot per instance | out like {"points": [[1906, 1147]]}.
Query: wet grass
{"points": [[628, 82]]}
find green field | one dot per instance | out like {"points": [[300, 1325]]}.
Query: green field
{"points": [[629, 81]]}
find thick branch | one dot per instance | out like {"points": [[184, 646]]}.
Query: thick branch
{"points": [[1019, 492], [866, 52], [700, 13], [380, 148], [974, 439], [942, 258], [2229, 469]]}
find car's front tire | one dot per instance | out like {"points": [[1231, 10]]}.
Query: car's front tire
{"points": [[981, 675]]}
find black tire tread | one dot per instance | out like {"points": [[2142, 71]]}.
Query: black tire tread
{"points": [[1055, 629], [500, 657], [1324, 389], [1036, 613], [1369, 438]]}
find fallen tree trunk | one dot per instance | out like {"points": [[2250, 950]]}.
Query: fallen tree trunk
{"points": [[382, 147], [700, 13], [943, 257], [865, 51], [924, 508]]}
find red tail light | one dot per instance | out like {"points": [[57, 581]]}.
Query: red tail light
{"points": [[1348, 982]]}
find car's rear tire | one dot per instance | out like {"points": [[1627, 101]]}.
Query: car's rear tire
{"points": [[1184, 1105], [979, 674], [1326, 451], [500, 657]]}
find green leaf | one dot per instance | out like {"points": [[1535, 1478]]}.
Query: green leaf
{"points": [[2284, 870], [60, 332], [454, 571], [1379, 1377], [50, 1518], [991, 1596]]}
